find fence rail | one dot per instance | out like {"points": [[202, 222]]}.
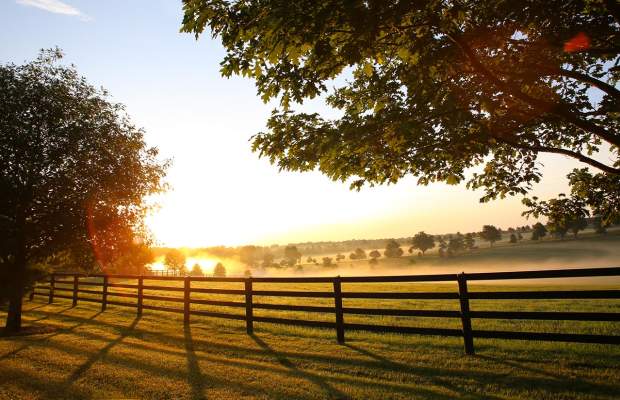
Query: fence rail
{"points": [[71, 282]]}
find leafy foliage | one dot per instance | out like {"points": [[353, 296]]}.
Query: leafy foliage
{"points": [[175, 260], [430, 88]]}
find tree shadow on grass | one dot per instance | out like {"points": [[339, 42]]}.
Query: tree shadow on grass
{"points": [[55, 333], [194, 375], [328, 390], [75, 375]]}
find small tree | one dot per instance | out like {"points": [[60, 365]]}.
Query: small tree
{"points": [[247, 273], [219, 271], [470, 241], [539, 231], [599, 228], [340, 257], [327, 261], [292, 255], [423, 242], [513, 238], [392, 249], [175, 260], [374, 254], [360, 254], [576, 225], [196, 270], [456, 244], [490, 234]]}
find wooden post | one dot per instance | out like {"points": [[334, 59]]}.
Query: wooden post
{"points": [[75, 290], [104, 294], [31, 297], [468, 337], [339, 313], [186, 292], [52, 284], [249, 311], [140, 294]]}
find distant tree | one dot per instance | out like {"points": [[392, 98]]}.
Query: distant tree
{"points": [[539, 231], [196, 270], [74, 175], [175, 260], [340, 257], [456, 244], [599, 228], [219, 270], [352, 256], [247, 273], [392, 249], [490, 234], [576, 225], [250, 255], [292, 255], [560, 212], [374, 254], [360, 254], [423, 242], [513, 238], [327, 261], [267, 259], [309, 260], [470, 241], [519, 236]]}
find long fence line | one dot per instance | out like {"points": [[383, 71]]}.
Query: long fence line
{"points": [[337, 294]]}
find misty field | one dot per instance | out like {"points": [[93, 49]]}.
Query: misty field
{"points": [[114, 354], [587, 251]]}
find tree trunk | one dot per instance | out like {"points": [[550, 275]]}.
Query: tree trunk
{"points": [[14, 316]]}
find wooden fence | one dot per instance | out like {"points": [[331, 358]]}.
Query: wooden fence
{"points": [[58, 283]]}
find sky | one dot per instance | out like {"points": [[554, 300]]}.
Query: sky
{"points": [[222, 193]]}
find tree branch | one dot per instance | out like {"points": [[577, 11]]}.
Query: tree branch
{"points": [[558, 109], [573, 154], [605, 87]]}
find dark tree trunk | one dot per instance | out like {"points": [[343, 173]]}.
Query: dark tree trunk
{"points": [[14, 315]]}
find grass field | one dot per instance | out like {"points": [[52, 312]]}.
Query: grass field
{"points": [[115, 355]]}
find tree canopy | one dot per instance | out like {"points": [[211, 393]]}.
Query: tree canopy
{"points": [[431, 88], [75, 175], [422, 242], [491, 234]]}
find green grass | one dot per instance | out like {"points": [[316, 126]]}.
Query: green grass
{"points": [[115, 355]]}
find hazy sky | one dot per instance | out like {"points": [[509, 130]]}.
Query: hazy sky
{"points": [[222, 193]]}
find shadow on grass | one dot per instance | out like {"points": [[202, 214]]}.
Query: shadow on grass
{"points": [[375, 370], [328, 390], [194, 375]]}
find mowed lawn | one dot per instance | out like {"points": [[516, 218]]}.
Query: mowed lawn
{"points": [[114, 354]]}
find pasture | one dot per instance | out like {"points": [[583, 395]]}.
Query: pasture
{"points": [[115, 354]]}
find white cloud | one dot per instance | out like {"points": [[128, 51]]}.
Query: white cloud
{"points": [[56, 7]]}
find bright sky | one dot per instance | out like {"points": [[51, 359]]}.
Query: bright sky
{"points": [[222, 193]]}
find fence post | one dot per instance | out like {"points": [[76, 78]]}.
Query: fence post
{"points": [[186, 292], [338, 308], [104, 294], [249, 311], [31, 297], [75, 290], [140, 294], [52, 284], [468, 337]]}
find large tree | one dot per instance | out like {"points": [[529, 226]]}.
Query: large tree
{"points": [[431, 88], [75, 173], [490, 234]]}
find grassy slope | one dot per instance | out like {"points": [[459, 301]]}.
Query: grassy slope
{"points": [[113, 354]]}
